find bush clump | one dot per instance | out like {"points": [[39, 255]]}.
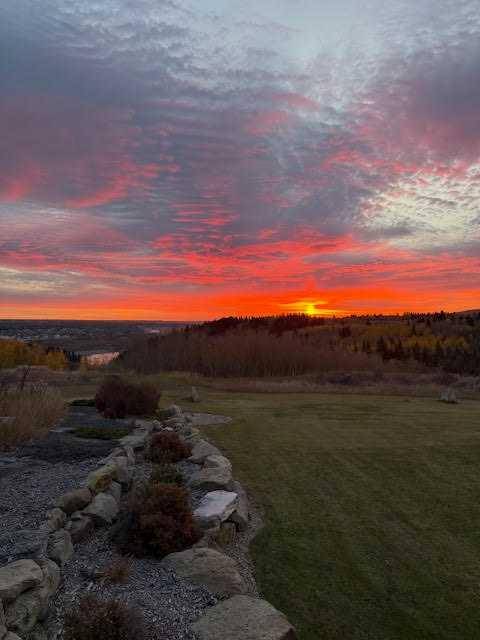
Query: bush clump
{"points": [[167, 447], [117, 398], [160, 520], [95, 619], [167, 474]]}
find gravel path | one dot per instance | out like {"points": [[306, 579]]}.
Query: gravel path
{"points": [[168, 604], [30, 488]]}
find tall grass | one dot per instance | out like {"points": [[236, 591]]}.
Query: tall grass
{"points": [[35, 410], [243, 353]]}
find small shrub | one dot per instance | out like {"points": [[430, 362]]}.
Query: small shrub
{"points": [[95, 619], [167, 447], [117, 398], [160, 520], [101, 433], [118, 571], [167, 474]]}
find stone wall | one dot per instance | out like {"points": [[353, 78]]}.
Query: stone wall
{"points": [[31, 561]]}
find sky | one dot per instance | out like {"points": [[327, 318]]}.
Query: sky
{"points": [[171, 159]]}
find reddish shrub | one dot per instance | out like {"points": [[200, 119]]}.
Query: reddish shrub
{"points": [[160, 520], [117, 398], [168, 447], [95, 619]]}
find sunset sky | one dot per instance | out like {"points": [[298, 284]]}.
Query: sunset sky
{"points": [[171, 159]]}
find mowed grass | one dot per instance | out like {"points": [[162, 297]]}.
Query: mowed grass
{"points": [[372, 510]]}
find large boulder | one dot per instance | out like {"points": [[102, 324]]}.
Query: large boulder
{"points": [[201, 450], [240, 515], [32, 605], [75, 500], [243, 618], [207, 567], [214, 508], [216, 474], [79, 527], [17, 577], [21, 544], [60, 547], [102, 510]]}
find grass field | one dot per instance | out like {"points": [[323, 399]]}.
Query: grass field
{"points": [[372, 510]]}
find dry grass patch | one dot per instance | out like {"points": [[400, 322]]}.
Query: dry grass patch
{"points": [[34, 410]]}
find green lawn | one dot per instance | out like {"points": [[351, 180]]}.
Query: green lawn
{"points": [[372, 510]]}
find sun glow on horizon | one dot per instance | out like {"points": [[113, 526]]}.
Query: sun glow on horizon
{"points": [[311, 308]]}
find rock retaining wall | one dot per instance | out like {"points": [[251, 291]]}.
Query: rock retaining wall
{"points": [[31, 561]]}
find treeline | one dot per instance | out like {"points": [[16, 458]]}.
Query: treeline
{"points": [[15, 353], [239, 353], [296, 344]]}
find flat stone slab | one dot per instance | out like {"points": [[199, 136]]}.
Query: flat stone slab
{"points": [[215, 507], [207, 567], [243, 618]]}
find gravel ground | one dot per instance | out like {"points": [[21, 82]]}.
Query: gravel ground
{"points": [[30, 487], [63, 447], [168, 603]]}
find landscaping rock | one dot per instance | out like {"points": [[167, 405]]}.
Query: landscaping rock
{"points": [[56, 519], [3, 628], [75, 500], [201, 450], [17, 577], [80, 527], [60, 547], [136, 440], [124, 472], [449, 396], [100, 479], [194, 395], [32, 605], [215, 474], [212, 480], [214, 508], [12, 636], [103, 509], [217, 461], [172, 411], [207, 567], [115, 490], [21, 544], [240, 515], [243, 618], [130, 455]]}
